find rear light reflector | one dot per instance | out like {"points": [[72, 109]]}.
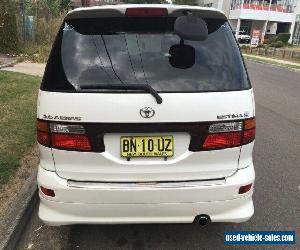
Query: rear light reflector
{"points": [[222, 140], [47, 192], [71, 142], [139, 12], [245, 189]]}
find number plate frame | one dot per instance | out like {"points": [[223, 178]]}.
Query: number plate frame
{"points": [[147, 153]]}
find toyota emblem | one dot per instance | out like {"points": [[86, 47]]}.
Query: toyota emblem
{"points": [[147, 112]]}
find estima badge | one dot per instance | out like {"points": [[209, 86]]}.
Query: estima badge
{"points": [[147, 112]]}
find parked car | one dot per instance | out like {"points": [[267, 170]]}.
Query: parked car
{"points": [[243, 37], [145, 115]]}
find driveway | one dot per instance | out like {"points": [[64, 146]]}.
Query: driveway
{"points": [[35, 69]]}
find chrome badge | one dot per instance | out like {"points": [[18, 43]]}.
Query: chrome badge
{"points": [[147, 112]]}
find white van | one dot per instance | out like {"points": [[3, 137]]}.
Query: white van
{"points": [[145, 115]]}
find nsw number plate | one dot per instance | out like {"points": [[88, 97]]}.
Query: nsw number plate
{"points": [[147, 146]]}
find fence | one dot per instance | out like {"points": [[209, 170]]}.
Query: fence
{"points": [[282, 53]]}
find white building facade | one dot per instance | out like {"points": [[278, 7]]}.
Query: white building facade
{"points": [[264, 17], [296, 26]]}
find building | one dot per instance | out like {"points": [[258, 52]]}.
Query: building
{"points": [[223, 5], [295, 39], [265, 18]]}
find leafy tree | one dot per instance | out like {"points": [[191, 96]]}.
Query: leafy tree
{"points": [[9, 39], [56, 7], [84, 3], [145, 1]]}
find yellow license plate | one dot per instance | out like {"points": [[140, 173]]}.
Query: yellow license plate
{"points": [[147, 146]]}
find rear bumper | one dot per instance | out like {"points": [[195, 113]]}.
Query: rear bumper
{"points": [[145, 204]]}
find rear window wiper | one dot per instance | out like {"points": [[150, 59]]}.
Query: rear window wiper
{"points": [[145, 87]]}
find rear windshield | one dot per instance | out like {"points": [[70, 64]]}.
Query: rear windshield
{"points": [[136, 51]]}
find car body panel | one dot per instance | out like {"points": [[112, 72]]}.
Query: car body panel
{"points": [[116, 108]]}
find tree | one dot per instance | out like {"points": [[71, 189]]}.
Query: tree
{"points": [[56, 7], [145, 1], [9, 38], [85, 3]]}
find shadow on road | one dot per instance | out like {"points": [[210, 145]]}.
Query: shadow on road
{"points": [[149, 236]]}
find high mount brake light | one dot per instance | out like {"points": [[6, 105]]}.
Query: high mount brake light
{"points": [[62, 136], [230, 134], [141, 12]]}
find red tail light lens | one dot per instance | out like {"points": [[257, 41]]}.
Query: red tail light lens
{"points": [[43, 136], [222, 140], [71, 141], [245, 189], [47, 192], [139, 12], [249, 136]]}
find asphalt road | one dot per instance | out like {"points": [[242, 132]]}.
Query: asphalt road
{"points": [[277, 187]]}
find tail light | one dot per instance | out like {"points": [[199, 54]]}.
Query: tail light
{"points": [[61, 136], [230, 134], [73, 136], [71, 142], [249, 130], [222, 140], [141, 12], [43, 136]]}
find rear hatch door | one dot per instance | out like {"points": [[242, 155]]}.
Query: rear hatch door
{"points": [[125, 51]]}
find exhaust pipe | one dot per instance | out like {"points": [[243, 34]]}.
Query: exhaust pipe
{"points": [[202, 220]]}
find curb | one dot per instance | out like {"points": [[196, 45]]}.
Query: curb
{"points": [[7, 65], [285, 66], [13, 224]]}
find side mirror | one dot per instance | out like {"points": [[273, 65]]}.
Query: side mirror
{"points": [[190, 27], [182, 56]]}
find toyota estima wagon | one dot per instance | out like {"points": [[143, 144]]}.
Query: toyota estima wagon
{"points": [[145, 115]]}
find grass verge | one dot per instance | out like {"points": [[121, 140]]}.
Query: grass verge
{"points": [[272, 62], [18, 94]]}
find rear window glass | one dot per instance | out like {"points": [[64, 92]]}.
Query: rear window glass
{"points": [[136, 51]]}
